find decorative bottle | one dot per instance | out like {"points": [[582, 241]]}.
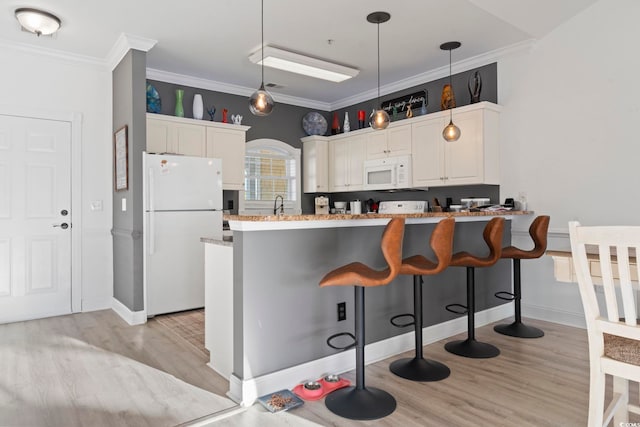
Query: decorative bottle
{"points": [[347, 126], [179, 107], [198, 106], [335, 125]]}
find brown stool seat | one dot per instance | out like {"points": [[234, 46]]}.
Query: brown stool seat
{"points": [[359, 402], [492, 235], [538, 232], [418, 368]]}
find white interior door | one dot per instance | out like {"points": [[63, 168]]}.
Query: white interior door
{"points": [[35, 218]]}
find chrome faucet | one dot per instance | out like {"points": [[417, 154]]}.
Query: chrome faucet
{"points": [[275, 205]]}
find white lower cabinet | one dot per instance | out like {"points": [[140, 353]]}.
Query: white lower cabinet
{"points": [[346, 160], [199, 138], [472, 159]]}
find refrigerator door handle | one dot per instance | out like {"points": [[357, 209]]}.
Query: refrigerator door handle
{"points": [[152, 215]]}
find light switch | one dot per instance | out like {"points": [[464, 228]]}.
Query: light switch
{"points": [[124, 204], [96, 205]]}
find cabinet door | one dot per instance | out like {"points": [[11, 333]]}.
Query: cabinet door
{"points": [[158, 136], [357, 154], [189, 140], [338, 165], [376, 145], [228, 145], [399, 141], [427, 146], [464, 157], [315, 165]]}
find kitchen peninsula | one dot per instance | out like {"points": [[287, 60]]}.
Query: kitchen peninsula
{"points": [[268, 284]]}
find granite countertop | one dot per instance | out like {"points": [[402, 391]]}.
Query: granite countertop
{"points": [[225, 241], [370, 216]]}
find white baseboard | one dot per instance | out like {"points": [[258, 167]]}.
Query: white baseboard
{"points": [[95, 305], [567, 318], [131, 317], [245, 392]]}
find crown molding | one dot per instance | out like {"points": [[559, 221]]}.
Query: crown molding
{"points": [[438, 73], [197, 82], [53, 53], [124, 44]]}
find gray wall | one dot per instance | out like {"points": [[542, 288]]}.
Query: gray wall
{"points": [[285, 124], [278, 304], [129, 108]]}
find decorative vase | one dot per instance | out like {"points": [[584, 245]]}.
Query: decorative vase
{"points": [[347, 126], [475, 86], [423, 109], [179, 107], [448, 99], [361, 114], [224, 115], [198, 106], [335, 125]]}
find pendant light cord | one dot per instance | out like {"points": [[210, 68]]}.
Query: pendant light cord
{"points": [[378, 65], [262, 36], [451, 89]]}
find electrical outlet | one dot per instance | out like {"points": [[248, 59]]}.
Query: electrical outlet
{"points": [[342, 311]]}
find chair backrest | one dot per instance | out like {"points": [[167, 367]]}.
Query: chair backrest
{"points": [[492, 235], [441, 243], [610, 246], [538, 231], [391, 245]]}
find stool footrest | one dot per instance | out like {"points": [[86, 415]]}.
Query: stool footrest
{"points": [[504, 295], [403, 325], [451, 308], [334, 336]]}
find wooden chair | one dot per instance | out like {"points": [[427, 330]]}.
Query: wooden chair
{"points": [[614, 335], [538, 232], [418, 368], [359, 402], [470, 347]]}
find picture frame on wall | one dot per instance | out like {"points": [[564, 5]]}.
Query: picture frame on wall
{"points": [[121, 155]]}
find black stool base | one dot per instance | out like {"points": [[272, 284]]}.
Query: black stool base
{"points": [[472, 348], [420, 369], [368, 403], [519, 330]]}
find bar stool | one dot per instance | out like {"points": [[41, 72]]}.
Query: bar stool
{"points": [[359, 402], [470, 347], [538, 232], [418, 368]]}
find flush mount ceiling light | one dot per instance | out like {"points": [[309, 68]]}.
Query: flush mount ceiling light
{"points": [[261, 102], [38, 22], [451, 132], [379, 119], [301, 64]]}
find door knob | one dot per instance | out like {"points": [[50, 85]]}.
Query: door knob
{"points": [[64, 212], [64, 225]]}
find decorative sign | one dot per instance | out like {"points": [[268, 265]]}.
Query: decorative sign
{"points": [[402, 104]]}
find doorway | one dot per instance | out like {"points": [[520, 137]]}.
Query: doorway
{"points": [[35, 218]]}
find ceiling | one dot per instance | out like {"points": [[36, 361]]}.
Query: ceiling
{"points": [[211, 40]]}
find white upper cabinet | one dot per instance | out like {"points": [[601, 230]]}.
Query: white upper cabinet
{"points": [[472, 159], [391, 142], [315, 164], [346, 160], [199, 138]]}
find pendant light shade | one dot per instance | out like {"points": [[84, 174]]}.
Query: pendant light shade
{"points": [[451, 132], [379, 119], [261, 102]]}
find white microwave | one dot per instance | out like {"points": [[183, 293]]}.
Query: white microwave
{"points": [[387, 174]]}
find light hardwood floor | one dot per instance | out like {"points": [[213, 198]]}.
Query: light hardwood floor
{"points": [[94, 369]]}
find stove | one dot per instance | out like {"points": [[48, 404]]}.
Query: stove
{"points": [[403, 207]]}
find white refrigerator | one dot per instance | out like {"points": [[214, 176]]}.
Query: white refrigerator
{"points": [[182, 203]]}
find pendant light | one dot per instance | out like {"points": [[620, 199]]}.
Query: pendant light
{"points": [[379, 119], [451, 132], [261, 102]]}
